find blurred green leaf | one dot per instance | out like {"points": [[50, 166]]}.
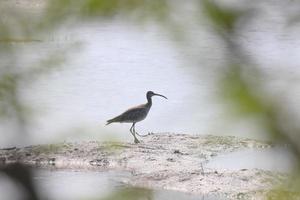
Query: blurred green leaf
{"points": [[130, 193], [243, 97], [281, 194], [223, 19], [58, 10]]}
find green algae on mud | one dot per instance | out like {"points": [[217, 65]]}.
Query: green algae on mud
{"points": [[48, 148], [203, 147]]}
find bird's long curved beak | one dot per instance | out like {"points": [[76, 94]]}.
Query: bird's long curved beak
{"points": [[161, 96]]}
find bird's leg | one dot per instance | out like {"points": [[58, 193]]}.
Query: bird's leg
{"points": [[138, 133], [132, 131]]}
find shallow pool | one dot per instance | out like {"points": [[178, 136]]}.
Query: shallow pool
{"points": [[89, 185], [275, 159]]}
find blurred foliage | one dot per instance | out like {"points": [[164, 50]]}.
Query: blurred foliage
{"points": [[223, 19], [240, 84], [131, 193], [23, 176], [245, 96], [243, 93], [58, 10], [282, 194]]}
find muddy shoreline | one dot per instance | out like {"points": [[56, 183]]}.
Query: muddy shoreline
{"points": [[162, 161]]}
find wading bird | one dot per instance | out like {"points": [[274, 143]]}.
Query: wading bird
{"points": [[135, 114]]}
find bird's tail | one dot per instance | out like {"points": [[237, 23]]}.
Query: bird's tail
{"points": [[116, 119], [109, 122]]}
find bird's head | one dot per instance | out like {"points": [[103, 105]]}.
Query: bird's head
{"points": [[150, 94]]}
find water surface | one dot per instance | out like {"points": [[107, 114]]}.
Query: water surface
{"points": [[76, 185], [277, 159], [110, 65]]}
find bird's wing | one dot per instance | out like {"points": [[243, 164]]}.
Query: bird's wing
{"points": [[133, 114], [135, 108]]}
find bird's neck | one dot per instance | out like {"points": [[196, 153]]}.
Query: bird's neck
{"points": [[149, 103]]}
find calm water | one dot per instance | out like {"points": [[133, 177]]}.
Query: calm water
{"points": [[110, 66], [253, 158], [72, 185]]}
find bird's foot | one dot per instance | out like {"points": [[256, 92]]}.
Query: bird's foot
{"points": [[141, 135], [136, 141]]}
